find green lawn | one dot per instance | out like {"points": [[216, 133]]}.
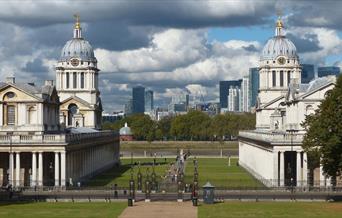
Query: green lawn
{"points": [[219, 174], [64, 210], [121, 175], [270, 209]]}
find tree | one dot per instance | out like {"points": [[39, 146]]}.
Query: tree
{"points": [[323, 138]]}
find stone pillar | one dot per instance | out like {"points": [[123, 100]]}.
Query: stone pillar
{"points": [[11, 168], [17, 169], [321, 176], [275, 181], [281, 171], [56, 169], [63, 168], [305, 169], [40, 169], [299, 169], [34, 170]]}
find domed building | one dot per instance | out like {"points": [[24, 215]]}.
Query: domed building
{"points": [[273, 152], [77, 83], [126, 133]]}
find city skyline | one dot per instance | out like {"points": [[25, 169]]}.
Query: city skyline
{"points": [[190, 51]]}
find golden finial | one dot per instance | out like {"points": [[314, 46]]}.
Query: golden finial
{"points": [[279, 21], [77, 24]]}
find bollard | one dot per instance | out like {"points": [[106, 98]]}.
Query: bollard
{"points": [[130, 202]]}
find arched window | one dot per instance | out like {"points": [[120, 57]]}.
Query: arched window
{"points": [[31, 115], [82, 80], [72, 110], [281, 78], [10, 115], [74, 80], [288, 77], [274, 80], [67, 80], [309, 110]]}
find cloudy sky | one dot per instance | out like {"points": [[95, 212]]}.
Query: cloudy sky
{"points": [[165, 45]]}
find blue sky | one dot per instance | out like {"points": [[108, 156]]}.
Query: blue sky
{"points": [[167, 46]]}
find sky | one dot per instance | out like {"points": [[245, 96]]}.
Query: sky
{"points": [[168, 46]]}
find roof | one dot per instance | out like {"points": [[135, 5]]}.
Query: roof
{"points": [[81, 130]]}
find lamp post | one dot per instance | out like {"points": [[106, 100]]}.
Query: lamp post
{"points": [[147, 187], [131, 190], [139, 178]]}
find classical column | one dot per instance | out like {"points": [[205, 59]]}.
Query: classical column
{"points": [[305, 169], [17, 169], [299, 169], [40, 169], [63, 168], [56, 169], [11, 168], [34, 170], [281, 170], [275, 181]]}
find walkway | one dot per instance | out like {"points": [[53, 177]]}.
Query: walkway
{"points": [[160, 209]]}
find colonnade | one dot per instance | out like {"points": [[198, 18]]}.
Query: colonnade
{"points": [[37, 169]]}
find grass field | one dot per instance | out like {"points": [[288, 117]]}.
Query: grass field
{"points": [[219, 174], [63, 210], [121, 175], [271, 209]]}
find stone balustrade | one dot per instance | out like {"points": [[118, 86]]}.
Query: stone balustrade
{"points": [[273, 137], [54, 138]]}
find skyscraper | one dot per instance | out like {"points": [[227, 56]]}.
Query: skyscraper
{"points": [[224, 89], [149, 101], [253, 85], [308, 73], [234, 93], [245, 94], [138, 93], [129, 107], [326, 71]]}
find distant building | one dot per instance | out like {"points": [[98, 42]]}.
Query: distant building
{"points": [[179, 103], [234, 98], [138, 93], [253, 85], [308, 73], [149, 101], [129, 107], [126, 133], [245, 94], [224, 89], [112, 117], [326, 71]]}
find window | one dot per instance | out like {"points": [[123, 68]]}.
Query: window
{"points": [[288, 77], [274, 79], [281, 78], [10, 115], [67, 80], [74, 80], [31, 115], [72, 110], [82, 80]]}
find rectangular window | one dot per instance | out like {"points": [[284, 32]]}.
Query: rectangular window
{"points": [[82, 80], [288, 77], [74, 80], [67, 80], [274, 79], [10, 115], [281, 78]]}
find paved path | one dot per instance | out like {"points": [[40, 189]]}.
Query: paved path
{"points": [[160, 209]]}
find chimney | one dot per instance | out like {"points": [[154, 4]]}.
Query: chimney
{"points": [[10, 79], [49, 82]]}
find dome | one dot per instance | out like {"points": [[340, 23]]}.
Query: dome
{"points": [[279, 46], [125, 130], [78, 48]]}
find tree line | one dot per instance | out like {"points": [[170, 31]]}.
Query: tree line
{"points": [[195, 125]]}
